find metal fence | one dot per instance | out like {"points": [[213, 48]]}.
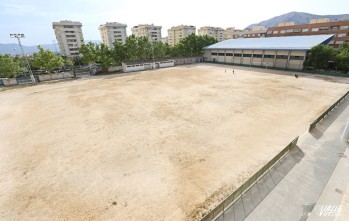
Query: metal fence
{"points": [[227, 202], [322, 116]]}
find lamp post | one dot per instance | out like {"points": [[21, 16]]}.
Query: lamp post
{"points": [[19, 36]]}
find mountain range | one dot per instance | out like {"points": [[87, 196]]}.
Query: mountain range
{"points": [[14, 49], [297, 18]]}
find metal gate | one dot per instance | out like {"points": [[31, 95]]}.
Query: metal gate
{"points": [[24, 80], [2, 83]]}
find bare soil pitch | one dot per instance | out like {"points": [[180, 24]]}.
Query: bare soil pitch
{"points": [[156, 145]]}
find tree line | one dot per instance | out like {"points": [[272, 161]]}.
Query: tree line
{"points": [[135, 48], [140, 48], [328, 57]]}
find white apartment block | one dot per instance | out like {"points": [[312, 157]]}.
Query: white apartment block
{"points": [[177, 33], [216, 32], [151, 31], [69, 37], [111, 32]]}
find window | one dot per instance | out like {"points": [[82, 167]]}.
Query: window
{"points": [[297, 30], [289, 30], [214, 54], [281, 56], [269, 56], [324, 28], [341, 35], [275, 32], [69, 31], [270, 32], [247, 55], [344, 28], [282, 31], [237, 55], [221, 54], [305, 30], [257, 56], [296, 57], [334, 28], [229, 54], [339, 42], [68, 26], [315, 29]]}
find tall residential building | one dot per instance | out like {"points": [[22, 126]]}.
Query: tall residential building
{"points": [[69, 37], [216, 32], [322, 26], [111, 32], [151, 31], [254, 32], [175, 34]]}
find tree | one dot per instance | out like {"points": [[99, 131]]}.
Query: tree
{"points": [[104, 57], [68, 62], [342, 58], [8, 67], [320, 55], [131, 47], [47, 60], [192, 45], [89, 53], [118, 53]]}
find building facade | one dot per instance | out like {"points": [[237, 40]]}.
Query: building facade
{"points": [[216, 32], [254, 32], [150, 31], [69, 37], [177, 33], [340, 29], [111, 32], [277, 52]]}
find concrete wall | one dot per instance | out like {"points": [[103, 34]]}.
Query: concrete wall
{"points": [[165, 64], [9, 81], [115, 68], [134, 67], [56, 76]]}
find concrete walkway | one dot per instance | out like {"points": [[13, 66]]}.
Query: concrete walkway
{"points": [[312, 179]]}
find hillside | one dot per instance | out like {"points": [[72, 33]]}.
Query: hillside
{"points": [[298, 18], [14, 48]]}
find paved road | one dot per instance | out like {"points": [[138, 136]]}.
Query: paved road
{"points": [[314, 174]]}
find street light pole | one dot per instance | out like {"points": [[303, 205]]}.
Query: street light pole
{"points": [[19, 36]]}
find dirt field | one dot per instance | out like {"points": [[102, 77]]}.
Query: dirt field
{"points": [[156, 145]]}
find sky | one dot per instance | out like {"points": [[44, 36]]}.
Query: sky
{"points": [[34, 17]]}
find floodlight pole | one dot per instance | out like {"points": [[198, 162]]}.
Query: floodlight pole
{"points": [[19, 36]]}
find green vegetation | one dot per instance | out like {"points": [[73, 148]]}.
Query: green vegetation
{"points": [[9, 66], [322, 56], [46, 60], [140, 48]]}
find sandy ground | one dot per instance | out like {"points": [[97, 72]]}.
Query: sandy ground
{"points": [[157, 145]]}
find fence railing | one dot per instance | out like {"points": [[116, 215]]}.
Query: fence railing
{"points": [[322, 116], [227, 202]]}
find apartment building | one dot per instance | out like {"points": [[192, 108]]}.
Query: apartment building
{"points": [[151, 31], [340, 30], [111, 32], [216, 32], [254, 32], [175, 34], [69, 37]]}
